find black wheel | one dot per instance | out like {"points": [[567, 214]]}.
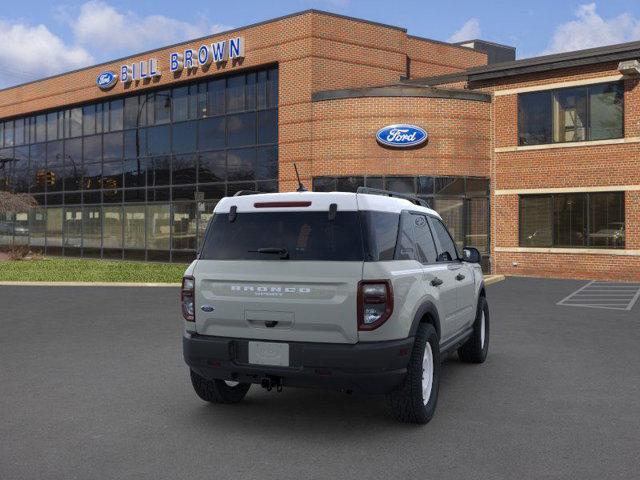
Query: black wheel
{"points": [[218, 391], [414, 401], [476, 348]]}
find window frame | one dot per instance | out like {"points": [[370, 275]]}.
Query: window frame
{"points": [[552, 93]]}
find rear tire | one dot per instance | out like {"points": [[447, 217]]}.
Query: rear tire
{"points": [[476, 348], [414, 401], [218, 391]]}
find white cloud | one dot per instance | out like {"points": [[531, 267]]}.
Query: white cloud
{"points": [[469, 31], [591, 30], [28, 52], [104, 29]]}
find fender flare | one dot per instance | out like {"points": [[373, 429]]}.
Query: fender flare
{"points": [[429, 308]]}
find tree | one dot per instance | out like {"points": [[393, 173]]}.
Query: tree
{"points": [[16, 202]]}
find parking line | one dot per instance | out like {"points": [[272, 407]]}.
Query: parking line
{"points": [[612, 296]]}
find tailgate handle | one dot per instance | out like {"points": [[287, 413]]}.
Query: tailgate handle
{"points": [[270, 323]]}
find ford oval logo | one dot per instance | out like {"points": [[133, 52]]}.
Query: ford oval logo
{"points": [[106, 80], [401, 136]]}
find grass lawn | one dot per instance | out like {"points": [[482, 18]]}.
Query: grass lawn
{"points": [[84, 270]]}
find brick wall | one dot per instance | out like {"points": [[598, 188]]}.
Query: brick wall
{"points": [[615, 164]]}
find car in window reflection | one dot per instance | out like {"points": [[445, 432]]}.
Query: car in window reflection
{"points": [[9, 228], [611, 235]]}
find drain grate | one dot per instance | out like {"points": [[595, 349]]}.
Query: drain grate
{"points": [[610, 295]]}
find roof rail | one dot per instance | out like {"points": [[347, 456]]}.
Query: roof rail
{"points": [[388, 193], [242, 193]]}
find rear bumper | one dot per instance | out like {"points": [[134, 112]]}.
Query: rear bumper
{"points": [[372, 367]]}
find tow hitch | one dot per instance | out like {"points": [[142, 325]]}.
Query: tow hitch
{"points": [[270, 382]]}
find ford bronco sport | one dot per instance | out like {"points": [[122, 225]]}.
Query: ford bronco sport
{"points": [[358, 292]]}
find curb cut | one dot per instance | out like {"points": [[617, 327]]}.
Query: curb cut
{"points": [[88, 284]]}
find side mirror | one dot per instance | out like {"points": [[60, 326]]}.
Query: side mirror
{"points": [[471, 255]]}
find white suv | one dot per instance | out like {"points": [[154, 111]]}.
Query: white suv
{"points": [[353, 291]]}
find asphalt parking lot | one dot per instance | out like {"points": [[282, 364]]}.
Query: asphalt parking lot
{"points": [[92, 385]]}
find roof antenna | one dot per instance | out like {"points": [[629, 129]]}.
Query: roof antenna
{"points": [[301, 187]]}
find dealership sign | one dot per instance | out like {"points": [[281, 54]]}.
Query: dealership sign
{"points": [[106, 80], [189, 59], [401, 136]]}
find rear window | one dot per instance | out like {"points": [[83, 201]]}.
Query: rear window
{"points": [[303, 235]]}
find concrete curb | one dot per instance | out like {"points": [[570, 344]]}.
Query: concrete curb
{"points": [[88, 284], [490, 279]]}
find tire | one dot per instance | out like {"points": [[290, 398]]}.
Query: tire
{"points": [[218, 391], [408, 403], [476, 348]]}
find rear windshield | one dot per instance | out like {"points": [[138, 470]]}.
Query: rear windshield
{"points": [[285, 235]]}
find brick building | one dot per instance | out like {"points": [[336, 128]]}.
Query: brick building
{"points": [[531, 161]]}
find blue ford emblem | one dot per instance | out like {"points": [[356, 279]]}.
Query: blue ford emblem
{"points": [[401, 136], [106, 80], [207, 308]]}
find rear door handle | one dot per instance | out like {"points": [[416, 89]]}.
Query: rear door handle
{"points": [[460, 277], [436, 282]]}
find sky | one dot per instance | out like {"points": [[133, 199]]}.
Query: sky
{"points": [[39, 38]]}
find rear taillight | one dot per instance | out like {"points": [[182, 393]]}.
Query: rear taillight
{"points": [[375, 303], [187, 299]]}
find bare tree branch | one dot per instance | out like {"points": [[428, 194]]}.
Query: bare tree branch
{"points": [[16, 202]]}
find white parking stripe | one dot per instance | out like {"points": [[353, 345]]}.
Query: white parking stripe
{"points": [[613, 296]]}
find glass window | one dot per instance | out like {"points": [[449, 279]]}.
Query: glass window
{"points": [[400, 184], [39, 179], [130, 114], [116, 115], [477, 187], [536, 220], [184, 226], [268, 126], [425, 185], [606, 220], [111, 175], [235, 93], [92, 227], [92, 149], [213, 191], [201, 102], [112, 146], [6, 228], [606, 106], [452, 213], [102, 117], [241, 164], [381, 233], [92, 176], [211, 133], [52, 126], [158, 227], [324, 184], [135, 143], [241, 129], [449, 186], [134, 226], [349, 184], [570, 219], [75, 122], [183, 169], [158, 140], [261, 89], [250, 91], [159, 171], [304, 236], [89, 120], [112, 227], [37, 226], [135, 173], [162, 107], [406, 248], [570, 115], [8, 134], [41, 129], [374, 182], [267, 167], [73, 227], [447, 250], [272, 88], [477, 234], [54, 227], [180, 103], [184, 137], [21, 169], [215, 97], [19, 131], [212, 167]]}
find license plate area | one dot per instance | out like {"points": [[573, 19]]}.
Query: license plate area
{"points": [[269, 353]]}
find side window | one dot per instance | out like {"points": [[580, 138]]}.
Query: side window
{"points": [[405, 247], [447, 251], [425, 246]]}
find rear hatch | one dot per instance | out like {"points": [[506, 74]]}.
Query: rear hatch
{"points": [[281, 267]]}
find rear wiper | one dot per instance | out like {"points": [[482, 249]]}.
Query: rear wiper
{"points": [[283, 252]]}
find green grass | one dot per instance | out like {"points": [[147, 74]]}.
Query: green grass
{"points": [[84, 270]]}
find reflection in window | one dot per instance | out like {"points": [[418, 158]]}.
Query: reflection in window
{"points": [[184, 226], [477, 233], [452, 213], [37, 226], [92, 227], [241, 129], [73, 227], [241, 164], [183, 169], [134, 226], [112, 233], [158, 227], [184, 137], [211, 133]]}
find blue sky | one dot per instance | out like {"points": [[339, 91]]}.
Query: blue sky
{"points": [[43, 37]]}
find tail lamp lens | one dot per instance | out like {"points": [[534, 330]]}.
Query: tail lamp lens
{"points": [[187, 299], [375, 303]]}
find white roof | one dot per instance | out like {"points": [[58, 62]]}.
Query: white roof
{"points": [[318, 201]]}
